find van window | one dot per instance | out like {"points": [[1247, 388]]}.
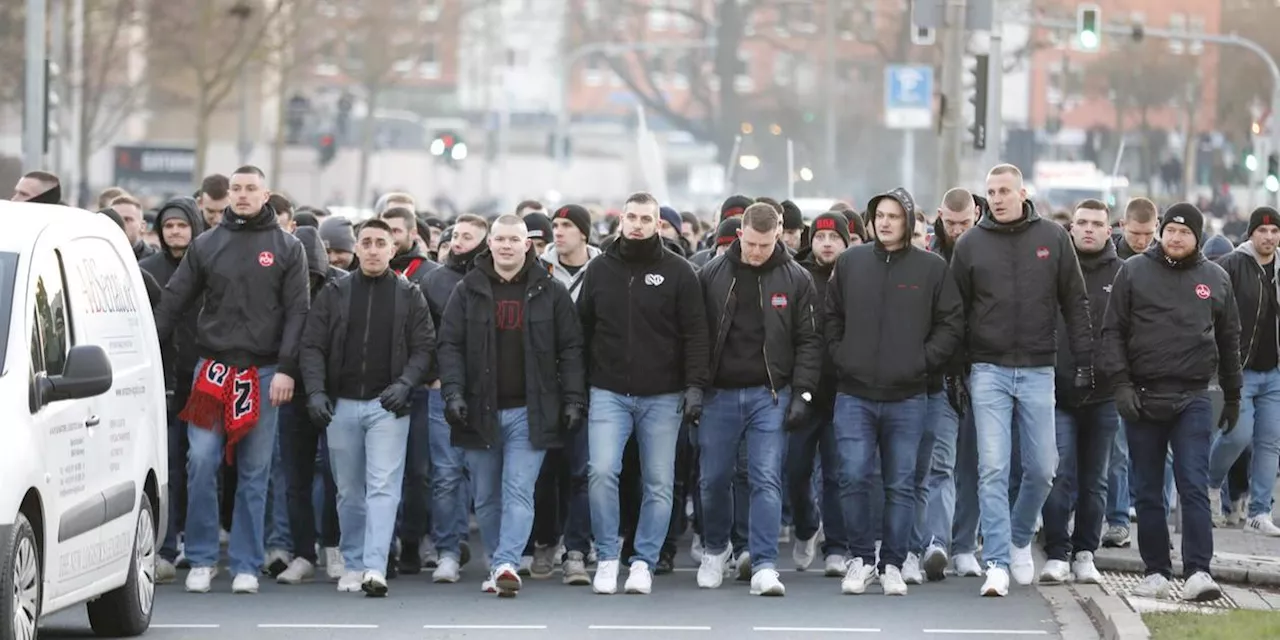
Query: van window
{"points": [[8, 271], [51, 331]]}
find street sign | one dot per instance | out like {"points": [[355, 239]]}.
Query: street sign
{"points": [[908, 97], [155, 170]]}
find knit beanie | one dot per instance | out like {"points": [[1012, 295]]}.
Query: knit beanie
{"points": [[792, 218], [337, 234], [672, 217], [734, 206], [579, 216], [727, 232], [1261, 216], [1187, 214], [856, 226], [539, 226], [1216, 247], [832, 221]]}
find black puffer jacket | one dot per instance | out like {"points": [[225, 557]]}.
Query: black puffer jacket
{"points": [[1249, 284], [824, 397], [179, 353], [1014, 280], [1099, 273], [793, 335], [554, 369], [1170, 326], [414, 264]]}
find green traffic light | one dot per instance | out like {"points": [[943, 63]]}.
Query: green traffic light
{"points": [[1251, 162], [1088, 40], [1272, 183]]}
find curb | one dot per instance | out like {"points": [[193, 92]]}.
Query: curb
{"points": [[1115, 619], [1239, 575]]}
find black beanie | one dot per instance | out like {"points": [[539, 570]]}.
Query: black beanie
{"points": [[1184, 213], [727, 232], [856, 226], [1261, 216], [734, 206], [792, 218], [832, 221], [539, 226], [579, 216]]}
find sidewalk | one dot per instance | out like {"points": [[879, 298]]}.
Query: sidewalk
{"points": [[1237, 557]]}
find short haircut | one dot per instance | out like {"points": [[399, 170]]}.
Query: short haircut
{"points": [[402, 214], [957, 200], [42, 176], [840, 206], [641, 197], [760, 217], [1005, 169], [280, 203], [1093, 205], [777, 206], [125, 199], [396, 198], [373, 223], [215, 186], [473, 220], [687, 217], [249, 169], [108, 195], [529, 204], [1140, 210], [920, 217], [508, 218]]}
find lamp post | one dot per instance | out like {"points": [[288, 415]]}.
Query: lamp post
{"points": [[242, 11]]}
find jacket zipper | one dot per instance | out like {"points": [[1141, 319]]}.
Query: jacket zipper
{"points": [[631, 279], [765, 344], [364, 346], [724, 312], [1257, 320]]}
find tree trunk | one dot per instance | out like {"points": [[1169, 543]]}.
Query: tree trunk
{"points": [[278, 141], [1190, 142], [729, 36], [203, 114], [366, 143]]}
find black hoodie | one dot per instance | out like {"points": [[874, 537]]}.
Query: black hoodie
{"points": [[253, 277], [180, 352], [1099, 272], [414, 264]]}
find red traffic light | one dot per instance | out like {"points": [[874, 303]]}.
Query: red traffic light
{"points": [[326, 141], [447, 140]]}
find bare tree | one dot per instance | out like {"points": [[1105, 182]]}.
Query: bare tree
{"points": [[12, 18], [301, 34], [1243, 79], [109, 96]]}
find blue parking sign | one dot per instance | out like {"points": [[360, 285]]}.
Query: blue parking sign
{"points": [[908, 96]]}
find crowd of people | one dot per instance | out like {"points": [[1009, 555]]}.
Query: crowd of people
{"points": [[894, 399]]}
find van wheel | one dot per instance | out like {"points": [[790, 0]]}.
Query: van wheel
{"points": [[126, 611], [20, 612]]}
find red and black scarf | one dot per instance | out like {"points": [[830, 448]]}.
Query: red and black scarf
{"points": [[224, 395]]}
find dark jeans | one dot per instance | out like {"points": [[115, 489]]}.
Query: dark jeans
{"points": [[415, 506], [1085, 435], [299, 441], [809, 511], [1190, 434], [686, 454], [560, 499], [896, 427], [177, 472]]}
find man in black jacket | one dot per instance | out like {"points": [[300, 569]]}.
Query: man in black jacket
{"points": [[831, 237], [766, 361], [645, 330], [892, 318], [1015, 272], [1086, 418], [450, 491], [368, 344], [1171, 324], [252, 277], [179, 222], [511, 373]]}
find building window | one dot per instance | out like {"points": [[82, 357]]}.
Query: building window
{"points": [[1178, 24], [783, 68], [801, 19], [743, 82], [593, 71], [429, 65], [659, 19], [430, 11]]}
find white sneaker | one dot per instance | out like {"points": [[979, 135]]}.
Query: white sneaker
{"points": [[804, 551], [784, 535], [640, 581], [910, 573], [526, 567], [744, 566], [997, 584], [374, 584], [427, 551], [334, 567], [199, 579], [1262, 524], [488, 585], [276, 562], [1055, 572], [935, 563], [447, 570], [1154, 586], [695, 551], [857, 577], [835, 566], [1200, 587], [299, 571], [507, 579], [892, 582], [350, 582], [711, 571], [1239, 509], [605, 582], [1083, 569], [1022, 565], [224, 537], [165, 571], [1216, 514], [967, 566], [765, 582], [244, 583]]}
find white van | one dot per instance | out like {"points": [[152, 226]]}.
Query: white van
{"points": [[83, 461]]}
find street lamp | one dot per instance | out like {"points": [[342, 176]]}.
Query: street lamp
{"points": [[749, 162], [806, 174], [242, 11]]}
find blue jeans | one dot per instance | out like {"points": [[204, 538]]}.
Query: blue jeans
{"points": [[656, 423], [896, 429], [207, 450], [367, 452], [177, 477], [415, 517], [953, 514], [1259, 426], [278, 536], [920, 535], [1118, 490], [1085, 437], [728, 417], [812, 506], [1189, 434], [1006, 398], [503, 480], [450, 493]]}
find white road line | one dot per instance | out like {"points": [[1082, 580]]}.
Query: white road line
{"points": [[816, 629], [317, 626], [186, 626], [486, 627], [989, 632], [625, 627]]}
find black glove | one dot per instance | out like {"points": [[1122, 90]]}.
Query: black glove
{"points": [[455, 412], [957, 394], [320, 408], [1084, 378], [397, 398], [691, 406], [798, 411], [1127, 403], [572, 416], [1230, 410]]}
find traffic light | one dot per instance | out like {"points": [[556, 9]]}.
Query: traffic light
{"points": [[979, 99], [1089, 27], [1250, 160], [1272, 182], [448, 147], [328, 150]]}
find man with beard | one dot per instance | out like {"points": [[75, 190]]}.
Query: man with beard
{"points": [[40, 187], [1086, 419], [830, 239], [180, 222], [450, 495], [1171, 324], [340, 240]]}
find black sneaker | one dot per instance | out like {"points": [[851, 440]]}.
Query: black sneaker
{"points": [[666, 563], [410, 562], [464, 553]]}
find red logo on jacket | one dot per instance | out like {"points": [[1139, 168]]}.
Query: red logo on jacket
{"points": [[266, 258], [1203, 292], [1042, 253], [779, 301]]}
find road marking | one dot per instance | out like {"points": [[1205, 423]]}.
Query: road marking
{"points": [[486, 627], [317, 626], [186, 626], [626, 627], [989, 632], [816, 629]]}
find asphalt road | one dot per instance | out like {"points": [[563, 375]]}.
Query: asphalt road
{"points": [[418, 609]]}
